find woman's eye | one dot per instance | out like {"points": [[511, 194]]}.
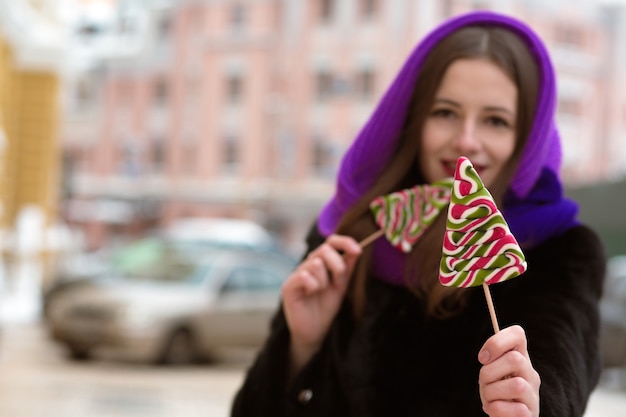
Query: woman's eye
{"points": [[498, 122], [443, 113]]}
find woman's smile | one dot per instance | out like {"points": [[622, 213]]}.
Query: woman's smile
{"points": [[473, 115]]}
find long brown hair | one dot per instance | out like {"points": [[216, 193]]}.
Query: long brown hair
{"points": [[507, 51]]}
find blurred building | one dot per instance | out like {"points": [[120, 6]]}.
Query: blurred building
{"points": [[30, 58], [243, 108]]}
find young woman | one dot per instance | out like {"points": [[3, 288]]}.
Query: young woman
{"points": [[370, 331]]}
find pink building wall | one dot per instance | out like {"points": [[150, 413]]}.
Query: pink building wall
{"points": [[276, 51]]}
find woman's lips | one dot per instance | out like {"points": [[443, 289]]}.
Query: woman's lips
{"points": [[449, 168]]}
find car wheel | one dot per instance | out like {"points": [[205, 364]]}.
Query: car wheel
{"points": [[179, 349]]}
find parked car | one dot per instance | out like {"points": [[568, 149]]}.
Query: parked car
{"points": [[75, 270], [80, 269], [613, 312], [169, 305]]}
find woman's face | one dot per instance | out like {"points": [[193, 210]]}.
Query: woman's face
{"points": [[473, 114]]}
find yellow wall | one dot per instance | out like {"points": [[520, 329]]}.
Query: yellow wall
{"points": [[30, 164]]}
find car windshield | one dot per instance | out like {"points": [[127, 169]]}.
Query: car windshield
{"points": [[157, 260]]}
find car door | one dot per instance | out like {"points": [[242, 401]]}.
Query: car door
{"points": [[247, 299]]}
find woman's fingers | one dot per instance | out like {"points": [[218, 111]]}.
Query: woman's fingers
{"points": [[508, 409], [508, 383], [308, 282], [330, 264], [513, 389], [506, 353], [511, 364], [327, 261], [335, 257], [312, 295], [511, 338]]}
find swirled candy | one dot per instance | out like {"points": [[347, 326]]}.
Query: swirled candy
{"points": [[478, 246], [404, 215]]}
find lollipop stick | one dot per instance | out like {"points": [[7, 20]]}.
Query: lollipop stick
{"points": [[492, 311], [371, 238]]}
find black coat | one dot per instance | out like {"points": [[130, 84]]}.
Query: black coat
{"points": [[398, 362]]}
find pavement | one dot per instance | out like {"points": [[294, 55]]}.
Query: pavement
{"points": [[609, 398], [37, 379]]}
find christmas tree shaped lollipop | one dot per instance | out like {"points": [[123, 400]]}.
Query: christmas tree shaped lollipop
{"points": [[405, 215], [478, 247]]}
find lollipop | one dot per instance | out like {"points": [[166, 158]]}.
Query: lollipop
{"points": [[405, 215], [478, 247]]}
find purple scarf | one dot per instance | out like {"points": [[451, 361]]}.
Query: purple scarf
{"points": [[533, 206]]}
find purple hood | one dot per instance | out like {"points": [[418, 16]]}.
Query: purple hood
{"points": [[533, 206]]}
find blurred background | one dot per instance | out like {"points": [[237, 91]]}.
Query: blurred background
{"points": [[137, 134]]}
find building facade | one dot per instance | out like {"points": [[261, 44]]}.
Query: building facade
{"points": [[30, 148], [243, 108]]}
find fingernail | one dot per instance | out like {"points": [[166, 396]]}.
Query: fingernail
{"points": [[484, 356]]}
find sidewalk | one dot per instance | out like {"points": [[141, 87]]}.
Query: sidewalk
{"points": [[609, 399], [36, 375]]}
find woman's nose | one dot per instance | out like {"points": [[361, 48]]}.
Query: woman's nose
{"points": [[467, 138]]}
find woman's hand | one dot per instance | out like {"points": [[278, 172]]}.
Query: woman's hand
{"points": [[313, 293], [508, 383]]}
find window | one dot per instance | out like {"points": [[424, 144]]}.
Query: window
{"points": [[369, 9], [157, 155], [326, 10], [569, 35], [230, 155], [161, 92], [234, 88], [323, 162], [129, 161], [70, 159], [248, 278], [237, 16], [480, 5], [127, 25], [164, 26], [341, 86], [446, 8], [364, 83], [324, 84], [570, 107], [85, 93]]}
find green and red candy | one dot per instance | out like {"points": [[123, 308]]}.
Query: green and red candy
{"points": [[404, 215], [478, 246]]}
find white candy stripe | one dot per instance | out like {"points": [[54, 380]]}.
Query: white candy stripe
{"points": [[486, 262], [462, 169], [474, 278], [485, 236], [465, 225]]}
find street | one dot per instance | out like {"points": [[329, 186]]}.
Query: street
{"points": [[37, 380]]}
